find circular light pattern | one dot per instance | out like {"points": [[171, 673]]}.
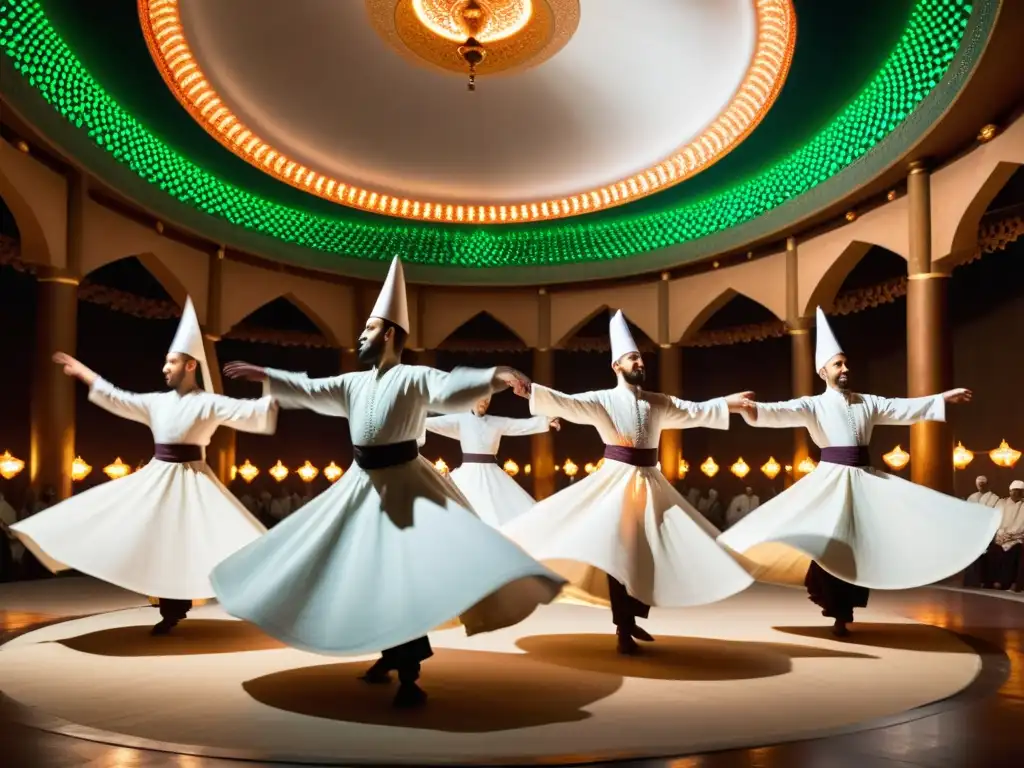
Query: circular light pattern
{"points": [[501, 18], [920, 59], [773, 52]]}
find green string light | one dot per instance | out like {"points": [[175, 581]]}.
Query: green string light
{"points": [[917, 64]]}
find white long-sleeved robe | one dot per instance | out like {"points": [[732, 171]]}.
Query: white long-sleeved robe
{"points": [[985, 498], [862, 525], [625, 521], [161, 530], [385, 555], [495, 497], [1011, 523]]}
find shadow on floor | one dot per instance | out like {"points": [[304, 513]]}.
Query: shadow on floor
{"points": [[898, 636], [193, 637], [470, 692], [673, 657]]}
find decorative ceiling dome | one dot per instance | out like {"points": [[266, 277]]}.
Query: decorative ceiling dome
{"points": [[593, 109]]}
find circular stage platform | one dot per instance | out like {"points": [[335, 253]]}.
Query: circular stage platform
{"points": [[760, 668]]}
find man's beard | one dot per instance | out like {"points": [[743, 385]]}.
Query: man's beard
{"points": [[174, 380], [842, 380], [371, 353], [636, 377]]}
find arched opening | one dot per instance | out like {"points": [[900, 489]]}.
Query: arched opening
{"points": [[483, 333]]}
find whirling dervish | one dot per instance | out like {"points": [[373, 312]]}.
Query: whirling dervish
{"points": [[160, 530], [846, 527], [495, 497], [624, 535], [392, 550]]}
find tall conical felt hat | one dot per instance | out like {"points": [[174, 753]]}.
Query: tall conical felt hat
{"points": [[826, 347], [621, 338], [391, 303], [189, 341]]}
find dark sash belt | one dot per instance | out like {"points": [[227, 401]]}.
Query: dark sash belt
{"points": [[384, 456], [479, 458], [847, 455], [638, 457], [177, 453]]}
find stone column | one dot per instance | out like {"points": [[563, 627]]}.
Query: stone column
{"points": [[543, 445], [802, 373], [52, 432], [670, 382], [223, 447], [52, 435], [929, 342]]}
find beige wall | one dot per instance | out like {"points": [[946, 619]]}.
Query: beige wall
{"points": [[960, 193]]}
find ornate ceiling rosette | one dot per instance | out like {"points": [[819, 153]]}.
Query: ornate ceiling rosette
{"points": [[521, 34]]}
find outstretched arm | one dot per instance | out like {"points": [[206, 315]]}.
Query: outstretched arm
{"points": [[578, 409], [713, 414], [902, 411], [787, 414], [458, 390], [127, 405], [446, 426], [256, 416], [328, 396], [523, 427]]}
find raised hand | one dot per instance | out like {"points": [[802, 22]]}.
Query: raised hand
{"points": [[518, 381], [957, 396], [741, 402], [555, 424], [246, 371], [73, 367]]}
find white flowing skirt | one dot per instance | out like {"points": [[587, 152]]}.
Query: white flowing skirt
{"points": [[630, 523], [381, 558], [864, 526], [496, 498], [158, 532]]}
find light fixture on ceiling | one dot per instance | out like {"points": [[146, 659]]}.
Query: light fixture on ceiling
{"points": [[473, 24]]}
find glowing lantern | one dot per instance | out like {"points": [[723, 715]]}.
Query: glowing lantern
{"points": [[279, 471], [307, 472], [806, 466], [961, 456], [590, 468], [117, 470], [234, 471], [570, 469], [10, 467], [1004, 456], [79, 469], [771, 468], [332, 472], [740, 468], [248, 471], [896, 459], [441, 467], [600, 463], [709, 467], [527, 469], [684, 467], [511, 468]]}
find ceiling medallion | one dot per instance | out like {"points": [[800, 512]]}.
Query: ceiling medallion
{"points": [[773, 54], [474, 24], [483, 37]]}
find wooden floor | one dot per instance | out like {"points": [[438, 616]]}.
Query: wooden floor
{"points": [[983, 729]]}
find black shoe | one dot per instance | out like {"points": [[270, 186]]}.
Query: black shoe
{"points": [[409, 696], [163, 628], [839, 629], [378, 674], [626, 644], [639, 633]]}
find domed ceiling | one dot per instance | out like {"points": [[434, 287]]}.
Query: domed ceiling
{"points": [[518, 141]]}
